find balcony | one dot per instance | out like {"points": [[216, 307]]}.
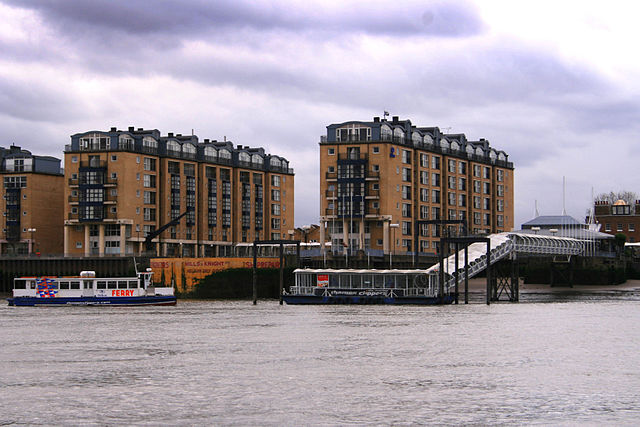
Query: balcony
{"points": [[97, 164], [353, 156], [372, 194], [372, 176]]}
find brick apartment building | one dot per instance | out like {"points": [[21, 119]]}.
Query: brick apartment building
{"points": [[619, 217], [379, 178], [32, 192], [123, 185]]}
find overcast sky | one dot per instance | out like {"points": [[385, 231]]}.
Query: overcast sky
{"points": [[553, 83]]}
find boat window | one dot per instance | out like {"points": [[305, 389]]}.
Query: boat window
{"points": [[75, 285], [88, 284], [32, 284], [122, 284], [378, 281], [111, 284], [19, 284], [64, 285], [333, 281], [102, 284], [133, 284]]}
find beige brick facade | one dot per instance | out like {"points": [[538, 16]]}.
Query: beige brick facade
{"points": [[33, 204], [123, 185], [380, 178]]}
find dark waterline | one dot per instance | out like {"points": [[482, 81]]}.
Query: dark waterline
{"points": [[566, 359]]}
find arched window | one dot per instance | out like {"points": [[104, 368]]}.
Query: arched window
{"points": [[469, 149], [398, 135], [385, 133], [285, 164], [210, 154], [189, 150], [455, 146], [95, 141], [492, 154], [479, 152], [173, 148], [244, 157], [502, 157], [444, 143], [224, 154], [275, 162], [125, 142], [416, 138], [149, 145], [257, 160], [428, 140]]}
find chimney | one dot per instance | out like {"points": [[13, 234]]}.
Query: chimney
{"points": [[140, 129], [239, 147], [178, 134], [113, 129], [170, 134], [131, 128], [395, 119], [376, 120], [206, 140]]}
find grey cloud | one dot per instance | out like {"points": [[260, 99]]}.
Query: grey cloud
{"points": [[178, 18]]}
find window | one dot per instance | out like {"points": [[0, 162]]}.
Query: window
{"points": [[406, 192], [275, 180], [74, 159], [114, 158], [435, 179], [462, 184], [275, 209], [149, 181], [452, 182], [424, 194], [406, 157], [275, 195], [406, 210], [607, 227], [619, 228], [275, 224], [486, 172], [632, 227], [424, 160], [149, 164], [452, 198], [406, 228], [376, 150], [500, 190], [435, 162], [476, 171], [486, 188], [452, 166], [500, 177], [424, 177], [406, 174], [435, 196], [331, 151], [462, 167], [376, 168]]}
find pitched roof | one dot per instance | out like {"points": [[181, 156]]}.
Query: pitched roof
{"points": [[552, 220]]}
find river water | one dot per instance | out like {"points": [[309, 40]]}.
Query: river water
{"points": [[568, 360]]}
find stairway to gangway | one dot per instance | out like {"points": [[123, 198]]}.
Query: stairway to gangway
{"points": [[502, 245]]}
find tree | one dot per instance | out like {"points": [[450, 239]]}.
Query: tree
{"points": [[628, 196]]}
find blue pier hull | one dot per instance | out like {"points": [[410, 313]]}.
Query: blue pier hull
{"points": [[357, 299], [113, 301]]}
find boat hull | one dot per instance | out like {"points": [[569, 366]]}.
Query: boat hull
{"points": [[358, 299], [97, 301]]}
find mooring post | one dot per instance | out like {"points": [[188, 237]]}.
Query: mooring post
{"points": [[455, 272], [466, 274], [441, 275], [488, 272], [255, 274], [281, 271]]}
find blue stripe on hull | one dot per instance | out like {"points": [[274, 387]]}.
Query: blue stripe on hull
{"points": [[348, 299], [117, 301]]}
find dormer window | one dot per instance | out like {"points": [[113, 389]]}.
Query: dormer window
{"points": [[94, 141], [189, 150], [149, 145], [173, 148], [125, 142], [210, 154], [257, 160]]}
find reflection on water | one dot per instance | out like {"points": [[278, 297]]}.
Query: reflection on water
{"points": [[553, 360]]}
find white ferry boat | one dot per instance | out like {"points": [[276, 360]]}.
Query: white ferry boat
{"points": [[87, 289], [348, 286]]}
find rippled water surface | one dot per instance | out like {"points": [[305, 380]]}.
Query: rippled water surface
{"points": [[201, 363]]}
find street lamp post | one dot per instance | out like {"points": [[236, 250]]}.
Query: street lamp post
{"points": [[32, 243], [393, 243]]}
